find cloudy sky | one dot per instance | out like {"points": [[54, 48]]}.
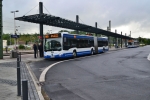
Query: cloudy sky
{"points": [[125, 15]]}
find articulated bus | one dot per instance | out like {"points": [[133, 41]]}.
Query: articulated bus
{"points": [[65, 45], [133, 43]]}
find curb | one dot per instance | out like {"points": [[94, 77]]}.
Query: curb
{"points": [[36, 83], [22, 53]]}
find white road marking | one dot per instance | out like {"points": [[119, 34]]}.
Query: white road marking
{"points": [[148, 57], [43, 74]]}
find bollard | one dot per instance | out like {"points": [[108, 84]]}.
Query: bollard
{"points": [[20, 56], [18, 77], [25, 90], [17, 56]]}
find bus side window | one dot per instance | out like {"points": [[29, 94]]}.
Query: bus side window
{"points": [[66, 43], [90, 43], [86, 43], [65, 46], [82, 43], [78, 43], [74, 42]]}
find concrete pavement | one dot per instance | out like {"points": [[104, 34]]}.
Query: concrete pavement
{"points": [[8, 82], [8, 76]]}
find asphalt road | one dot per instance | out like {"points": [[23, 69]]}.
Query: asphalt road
{"points": [[38, 66], [115, 75]]}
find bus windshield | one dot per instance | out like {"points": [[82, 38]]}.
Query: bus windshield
{"points": [[53, 45], [129, 43]]}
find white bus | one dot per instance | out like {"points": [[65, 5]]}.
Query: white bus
{"points": [[133, 43], [65, 45]]}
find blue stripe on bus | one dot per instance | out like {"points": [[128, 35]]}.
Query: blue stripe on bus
{"points": [[101, 50], [83, 53], [68, 55], [47, 57]]}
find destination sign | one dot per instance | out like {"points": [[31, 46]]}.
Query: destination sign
{"points": [[53, 36]]}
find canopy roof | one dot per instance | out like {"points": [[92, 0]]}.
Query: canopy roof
{"points": [[51, 20]]}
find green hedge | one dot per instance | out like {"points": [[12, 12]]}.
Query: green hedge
{"points": [[21, 47]]}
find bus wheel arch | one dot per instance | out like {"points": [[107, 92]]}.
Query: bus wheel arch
{"points": [[103, 50], [74, 53], [92, 51]]}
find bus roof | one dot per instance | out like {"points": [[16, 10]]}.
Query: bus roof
{"points": [[66, 34], [81, 35]]}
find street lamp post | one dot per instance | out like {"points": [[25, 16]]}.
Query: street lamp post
{"points": [[15, 24], [10, 40], [16, 34]]}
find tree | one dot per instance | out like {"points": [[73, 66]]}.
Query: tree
{"points": [[63, 31], [144, 41], [7, 37]]}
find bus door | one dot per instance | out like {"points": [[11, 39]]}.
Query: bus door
{"points": [[95, 44]]}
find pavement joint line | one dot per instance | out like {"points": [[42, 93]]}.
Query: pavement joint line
{"points": [[43, 74], [38, 87]]}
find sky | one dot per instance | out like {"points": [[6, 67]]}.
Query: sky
{"points": [[125, 15]]}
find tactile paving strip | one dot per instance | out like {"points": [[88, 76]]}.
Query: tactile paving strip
{"points": [[10, 82], [9, 64], [32, 93]]}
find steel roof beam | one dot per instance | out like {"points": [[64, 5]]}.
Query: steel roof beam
{"points": [[51, 20]]}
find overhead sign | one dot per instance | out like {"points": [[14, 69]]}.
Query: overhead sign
{"points": [[57, 35], [15, 36]]}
